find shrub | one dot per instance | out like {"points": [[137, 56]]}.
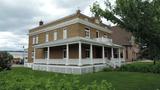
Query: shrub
{"points": [[137, 67], [141, 67], [5, 60]]}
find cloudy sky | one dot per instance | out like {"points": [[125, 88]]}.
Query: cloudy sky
{"points": [[18, 16]]}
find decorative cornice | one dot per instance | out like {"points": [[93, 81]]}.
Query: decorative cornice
{"points": [[70, 22]]}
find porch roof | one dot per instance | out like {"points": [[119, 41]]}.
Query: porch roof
{"points": [[76, 40]]}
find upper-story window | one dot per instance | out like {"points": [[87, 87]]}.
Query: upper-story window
{"points": [[97, 34], [87, 32], [55, 35], [47, 37], [36, 39], [64, 33]]}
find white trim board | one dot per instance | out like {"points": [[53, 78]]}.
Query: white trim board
{"points": [[66, 23]]}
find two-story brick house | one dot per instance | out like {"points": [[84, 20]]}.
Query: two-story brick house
{"points": [[73, 44]]}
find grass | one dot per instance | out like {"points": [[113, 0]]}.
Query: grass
{"points": [[119, 80]]}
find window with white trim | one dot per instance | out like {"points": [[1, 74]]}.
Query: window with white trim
{"points": [[87, 50], [32, 54], [87, 32], [37, 39], [33, 40], [64, 33], [64, 52], [55, 35], [46, 39], [97, 34], [45, 54]]}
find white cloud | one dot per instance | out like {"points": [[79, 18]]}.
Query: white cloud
{"points": [[18, 16]]}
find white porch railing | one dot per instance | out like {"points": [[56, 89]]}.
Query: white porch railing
{"points": [[113, 62], [104, 39], [56, 61], [86, 61], [97, 60], [73, 61]]}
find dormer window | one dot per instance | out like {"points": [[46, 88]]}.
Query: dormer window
{"points": [[97, 34], [97, 21], [87, 32], [46, 39]]}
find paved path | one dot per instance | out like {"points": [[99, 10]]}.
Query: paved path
{"points": [[17, 65]]}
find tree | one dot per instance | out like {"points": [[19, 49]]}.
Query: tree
{"points": [[140, 17], [5, 60]]}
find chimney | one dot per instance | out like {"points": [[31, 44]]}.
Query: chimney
{"points": [[78, 11], [40, 23]]}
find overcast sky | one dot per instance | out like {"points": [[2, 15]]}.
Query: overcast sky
{"points": [[18, 16]]}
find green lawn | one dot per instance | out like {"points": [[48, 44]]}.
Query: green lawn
{"points": [[120, 80]]}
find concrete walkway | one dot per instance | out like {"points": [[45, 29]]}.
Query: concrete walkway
{"points": [[17, 65]]}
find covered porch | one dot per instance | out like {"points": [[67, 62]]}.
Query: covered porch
{"points": [[79, 53]]}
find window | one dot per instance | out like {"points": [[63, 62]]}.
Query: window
{"points": [[55, 36], [46, 37], [64, 52], [32, 54], [64, 33], [45, 54], [115, 52], [87, 52], [33, 40], [97, 34], [87, 32], [37, 39]]}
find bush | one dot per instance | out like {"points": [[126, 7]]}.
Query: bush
{"points": [[141, 67], [5, 60]]}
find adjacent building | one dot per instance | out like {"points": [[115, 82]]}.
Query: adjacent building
{"points": [[122, 37], [73, 44]]}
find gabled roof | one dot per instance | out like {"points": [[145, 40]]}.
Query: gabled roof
{"points": [[121, 36]]}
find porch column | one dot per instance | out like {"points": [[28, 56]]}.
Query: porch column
{"points": [[119, 53], [34, 55], [103, 55], [112, 55], [91, 53], [67, 53], [80, 54], [48, 54]]}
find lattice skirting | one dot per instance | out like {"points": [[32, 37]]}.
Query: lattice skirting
{"points": [[69, 69]]}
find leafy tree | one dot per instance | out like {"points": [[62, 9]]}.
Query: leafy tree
{"points": [[5, 60], [140, 17]]}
